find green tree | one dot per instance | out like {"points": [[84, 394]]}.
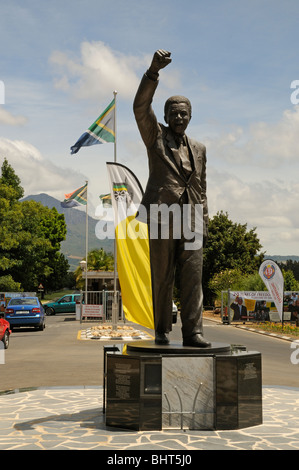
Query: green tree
{"points": [[30, 237], [99, 260], [7, 284], [37, 257], [59, 275], [10, 220], [290, 283], [291, 265], [236, 280], [230, 246], [9, 178]]}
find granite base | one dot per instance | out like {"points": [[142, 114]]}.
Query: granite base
{"points": [[171, 387]]}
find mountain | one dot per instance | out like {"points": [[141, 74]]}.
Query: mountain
{"points": [[73, 247], [282, 259]]}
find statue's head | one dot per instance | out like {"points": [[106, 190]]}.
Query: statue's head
{"points": [[177, 113]]}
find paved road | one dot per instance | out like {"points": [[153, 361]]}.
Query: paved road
{"points": [[277, 366], [53, 357], [56, 357]]}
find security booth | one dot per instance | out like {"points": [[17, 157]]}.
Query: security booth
{"points": [[102, 280], [97, 302]]}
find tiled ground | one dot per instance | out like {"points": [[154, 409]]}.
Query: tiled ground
{"points": [[72, 418]]}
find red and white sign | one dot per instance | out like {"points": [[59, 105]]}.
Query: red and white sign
{"points": [[90, 310]]}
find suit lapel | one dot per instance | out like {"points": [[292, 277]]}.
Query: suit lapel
{"points": [[196, 161]]}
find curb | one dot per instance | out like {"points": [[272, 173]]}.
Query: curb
{"points": [[261, 332], [267, 333]]}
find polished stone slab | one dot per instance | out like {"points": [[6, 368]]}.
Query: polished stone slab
{"points": [[175, 348], [188, 393]]}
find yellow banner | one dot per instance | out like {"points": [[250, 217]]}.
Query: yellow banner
{"points": [[134, 271]]}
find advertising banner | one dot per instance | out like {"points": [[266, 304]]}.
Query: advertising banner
{"points": [[260, 305], [273, 279]]}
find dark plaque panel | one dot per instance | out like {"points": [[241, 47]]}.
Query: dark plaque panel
{"points": [[238, 391], [123, 397]]}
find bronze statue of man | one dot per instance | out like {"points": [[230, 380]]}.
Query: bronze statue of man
{"points": [[177, 175]]}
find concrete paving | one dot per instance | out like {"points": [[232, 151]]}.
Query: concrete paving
{"points": [[71, 418]]}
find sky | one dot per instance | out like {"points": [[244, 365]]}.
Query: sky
{"points": [[236, 60]]}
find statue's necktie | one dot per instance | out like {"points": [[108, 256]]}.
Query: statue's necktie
{"points": [[184, 155]]}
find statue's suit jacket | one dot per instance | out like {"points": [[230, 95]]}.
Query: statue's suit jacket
{"points": [[167, 182]]}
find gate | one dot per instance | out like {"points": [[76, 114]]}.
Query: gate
{"points": [[99, 306]]}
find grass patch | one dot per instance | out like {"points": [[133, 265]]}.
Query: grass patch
{"points": [[288, 329]]}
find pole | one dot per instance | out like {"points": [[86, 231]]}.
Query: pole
{"points": [[282, 312], [86, 242], [115, 148], [115, 303]]}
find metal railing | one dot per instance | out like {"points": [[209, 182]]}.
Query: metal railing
{"points": [[99, 306]]}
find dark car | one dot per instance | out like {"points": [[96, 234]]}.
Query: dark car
{"points": [[66, 304], [5, 332], [25, 311]]}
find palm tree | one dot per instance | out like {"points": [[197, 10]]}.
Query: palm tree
{"points": [[97, 260]]}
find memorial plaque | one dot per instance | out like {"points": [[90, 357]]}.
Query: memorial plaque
{"points": [[123, 391]]}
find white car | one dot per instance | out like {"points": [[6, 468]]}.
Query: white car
{"points": [[174, 313]]}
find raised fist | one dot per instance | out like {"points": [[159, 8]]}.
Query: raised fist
{"points": [[160, 60]]}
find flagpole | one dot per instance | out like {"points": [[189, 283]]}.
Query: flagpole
{"points": [[86, 242], [115, 303]]}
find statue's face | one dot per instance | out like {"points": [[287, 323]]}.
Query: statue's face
{"points": [[178, 117]]}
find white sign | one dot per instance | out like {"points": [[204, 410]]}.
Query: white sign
{"points": [[273, 279], [254, 295], [92, 310]]}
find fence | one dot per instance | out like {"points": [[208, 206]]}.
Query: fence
{"points": [[99, 306]]}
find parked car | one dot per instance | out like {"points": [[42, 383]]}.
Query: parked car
{"points": [[66, 304], [5, 332], [25, 311], [174, 313]]}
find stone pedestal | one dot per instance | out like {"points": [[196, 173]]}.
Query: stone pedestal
{"points": [[173, 387]]}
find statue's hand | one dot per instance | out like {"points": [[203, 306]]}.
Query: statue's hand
{"points": [[160, 60]]}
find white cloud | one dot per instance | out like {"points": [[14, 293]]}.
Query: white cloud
{"points": [[100, 70], [37, 174], [265, 145], [270, 206], [9, 119]]}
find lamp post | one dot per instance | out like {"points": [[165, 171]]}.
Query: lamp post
{"points": [[83, 266]]}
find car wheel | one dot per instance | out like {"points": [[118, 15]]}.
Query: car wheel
{"points": [[5, 339], [41, 327], [50, 311]]}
